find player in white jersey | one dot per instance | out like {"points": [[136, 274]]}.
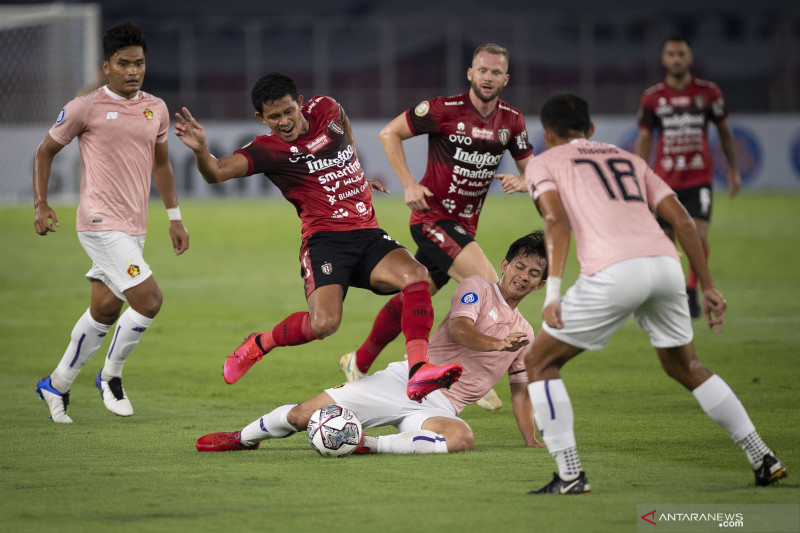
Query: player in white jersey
{"points": [[606, 197], [122, 135], [484, 332]]}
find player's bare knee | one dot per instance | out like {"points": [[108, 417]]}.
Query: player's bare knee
{"points": [[325, 326], [413, 274], [460, 440], [150, 305]]}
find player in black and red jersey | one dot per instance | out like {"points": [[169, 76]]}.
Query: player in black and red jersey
{"points": [[310, 155], [467, 136], [680, 108]]}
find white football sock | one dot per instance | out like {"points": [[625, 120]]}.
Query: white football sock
{"points": [[87, 335], [130, 327], [273, 425], [552, 411], [720, 403], [420, 441], [755, 449]]}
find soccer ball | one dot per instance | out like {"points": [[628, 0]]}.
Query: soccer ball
{"points": [[334, 431]]}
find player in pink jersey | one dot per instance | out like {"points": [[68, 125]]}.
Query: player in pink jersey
{"points": [[484, 332], [680, 108], [122, 135], [605, 196], [467, 136], [310, 154]]}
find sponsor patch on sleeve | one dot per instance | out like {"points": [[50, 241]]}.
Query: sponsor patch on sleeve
{"points": [[61, 115], [469, 298], [422, 109]]}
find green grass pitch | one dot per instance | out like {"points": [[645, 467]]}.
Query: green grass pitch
{"points": [[642, 438]]}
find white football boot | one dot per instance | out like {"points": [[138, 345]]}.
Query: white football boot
{"points": [[347, 364], [56, 401], [113, 394]]}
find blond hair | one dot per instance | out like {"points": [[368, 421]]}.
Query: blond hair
{"points": [[491, 48]]}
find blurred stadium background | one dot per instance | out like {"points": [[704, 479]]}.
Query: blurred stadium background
{"points": [[379, 58]]}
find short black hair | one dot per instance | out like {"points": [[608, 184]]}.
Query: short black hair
{"points": [[271, 88], [530, 244], [564, 113], [122, 36], [677, 39]]}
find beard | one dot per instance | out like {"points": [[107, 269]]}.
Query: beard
{"points": [[476, 89]]}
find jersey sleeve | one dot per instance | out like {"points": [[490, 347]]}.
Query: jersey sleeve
{"points": [[425, 117], [719, 112], [646, 116], [163, 126], [257, 156], [468, 299], [521, 146], [657, 189], [71, 122], [538, 177]]}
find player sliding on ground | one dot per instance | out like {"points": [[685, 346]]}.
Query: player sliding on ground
{"points": [[606, 197], [484, 332]]}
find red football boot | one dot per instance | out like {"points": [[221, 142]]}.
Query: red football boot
{"points": [[431, 377], [222, 442], [242, 359]]}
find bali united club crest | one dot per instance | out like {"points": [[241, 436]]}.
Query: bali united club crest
{"points": [[326, 268], [504, 136], [333, 125]]}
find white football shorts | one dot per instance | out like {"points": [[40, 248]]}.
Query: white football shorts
{"points": [[116, 259], [381, 400], [652, 289]]}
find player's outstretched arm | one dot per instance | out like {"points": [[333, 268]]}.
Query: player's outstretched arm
{"points": [[192, 134], [42, 163], [714, 304]]}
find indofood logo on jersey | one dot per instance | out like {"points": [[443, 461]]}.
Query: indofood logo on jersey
{"points": [[340, 160], [476, 158]]}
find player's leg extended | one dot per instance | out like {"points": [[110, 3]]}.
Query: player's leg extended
{"points": [[322, 319], [144, 302], [552, 411], [399, 270], [85, 340], [722, 405], [437, 435], [281, 422], [385, 328]]}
